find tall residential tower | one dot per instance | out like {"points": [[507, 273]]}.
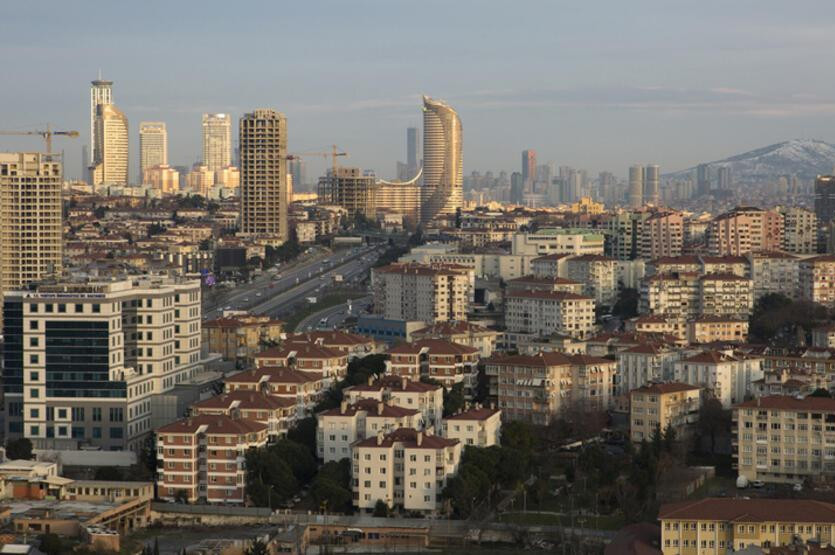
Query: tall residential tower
{"points": [[153, 146], [652, 178], [263, 151], [636, 186], [443, 168], [528, 166], [217, 141], [110, 165], [101, 92]]}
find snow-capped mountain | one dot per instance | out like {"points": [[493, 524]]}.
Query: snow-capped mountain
{"points": [[804, 158]]}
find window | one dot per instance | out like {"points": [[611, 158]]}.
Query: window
{"points": [[96, 432], [96, 414], [33, 341], [79, 308], [116, 433], [34, 413], [34, 376], [96, 308], [33, 359]]}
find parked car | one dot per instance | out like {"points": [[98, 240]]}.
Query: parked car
{"points": [[757, 483]]}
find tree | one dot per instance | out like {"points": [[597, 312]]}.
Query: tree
{"points": [[454, 399], [381, 509], [257, 547], [155, 229], [19, 449], [156, 546], [100, 212], [821, 392], [713, 419], [669, 438], [304, 432], [627, 303], [777, 319]]}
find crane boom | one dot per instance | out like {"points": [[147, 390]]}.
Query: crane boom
{"points": [[47, 135]]}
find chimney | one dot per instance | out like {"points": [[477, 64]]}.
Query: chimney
{"points": [[419, 438], [343, 406], [380, 408], [758, 401], [403, 380], [371, 380], [380, 437]]}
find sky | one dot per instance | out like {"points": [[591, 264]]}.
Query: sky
{"points": [[591, 84]]}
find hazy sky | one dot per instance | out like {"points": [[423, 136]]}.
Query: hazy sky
{"points": [[591, 84]]}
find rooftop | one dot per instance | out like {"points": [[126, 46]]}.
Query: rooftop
{"points": [[750, 510]]}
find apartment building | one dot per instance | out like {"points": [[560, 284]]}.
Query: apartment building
{"points": [[406, 468], [402, 392], [725, 295], [546, 283], [428, 293], [726, 264], [658, 324], [800, 230], [141, 339], [644, 363], [592, 381], [477, 426], [446, 362], [659, 406], [303, 388], [745, 229], [238, 337], [543, 313], [661, 235], [817, 280], [774, 272], [278, 413], [709, 328], [597, 273], [548, 265], [339, 428], [824, 337], [352, 344], [686, 264], [306, 357], [675, 295], [205, 456], [725, 376], [719, 525], [785, 439], [558, 240], [463, 333]]}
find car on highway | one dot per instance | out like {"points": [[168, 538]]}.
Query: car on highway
{"points": [[258, 294], [246, 299]]}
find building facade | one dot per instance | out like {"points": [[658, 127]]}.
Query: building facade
{"points": [[110, 166], [217, 141], [443, 166], [153, 147], [663, 406], [428, 293]]}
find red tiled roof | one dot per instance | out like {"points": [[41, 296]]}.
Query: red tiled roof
{"points": [[661, 388], [723, 277], [474, 414], [373, 408], [408, 437], [433, 347], [451, 327], [787, 402], [541, 359], [328, 337], [274, 374], [247, 400], [710, 357], [215, 424], [553, 295], [750, 510]]}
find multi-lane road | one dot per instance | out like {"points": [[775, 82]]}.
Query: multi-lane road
{"points": [[270, 295]]}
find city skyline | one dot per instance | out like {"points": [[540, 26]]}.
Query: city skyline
{"points": [[668, 84]]}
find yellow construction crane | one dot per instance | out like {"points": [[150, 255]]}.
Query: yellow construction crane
{"points": [[47, 135], [334, 153]]}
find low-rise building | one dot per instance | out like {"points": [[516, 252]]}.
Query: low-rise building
{"points": [[720, 525], [724, 376], [785, 439], [725, 295], [597, 273], [406, 468], [240, 336], [817, 280], [337, 429], [659, 406], [462, 333], [352, 344], [204, 457], [306, 357], [708, 328], [774, 272], [425, 292], [478, 426], [644, 363], [303, 388], [446, 362]]}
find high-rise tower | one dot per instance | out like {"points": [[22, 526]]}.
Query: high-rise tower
{"points": [[703, 179], [412, 155], [263, 152], [443, 168], [528, 166], [110, 166], [153, 146], [652, 178], [217, 141], [636, 186], [101, 92]]}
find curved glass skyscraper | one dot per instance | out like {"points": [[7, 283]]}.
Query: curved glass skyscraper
{"points": [[443, 169]]}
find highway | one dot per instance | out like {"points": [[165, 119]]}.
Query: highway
{"points": [[307, 279], [334, 317]]}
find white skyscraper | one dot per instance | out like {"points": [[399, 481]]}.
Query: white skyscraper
{"points": [[636, 186], [652, 178], [217, 141], [443, 167], [153, 146], [101, 92]]}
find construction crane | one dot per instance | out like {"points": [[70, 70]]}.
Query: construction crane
{"points": [[334, 153], [47, 135]]}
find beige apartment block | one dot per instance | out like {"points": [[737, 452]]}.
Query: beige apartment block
{"points": [[657, 323], [478, 426], [725, 295], [427, 293], [217, 141], [406, 468], [463, 333], [774, 272], [404, 393], [339, 428], [817, 280], [726, 376], [153, 147], [278, 413], [597, 273], [303, 388], [240, 336], [658, 406], [800, 230], [723, 525], [110, 167], [446, 362], [662, 235], [543, 313], [785, 439], [205, 456], [745, 229], [163, 178], [546, 283], [708, 328]]}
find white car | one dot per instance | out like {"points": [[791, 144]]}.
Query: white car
{"points": [[757, 483], [257, 294], [797, 487]]}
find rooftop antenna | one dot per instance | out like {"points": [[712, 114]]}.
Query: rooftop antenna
{"points": [[99, 74]]}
